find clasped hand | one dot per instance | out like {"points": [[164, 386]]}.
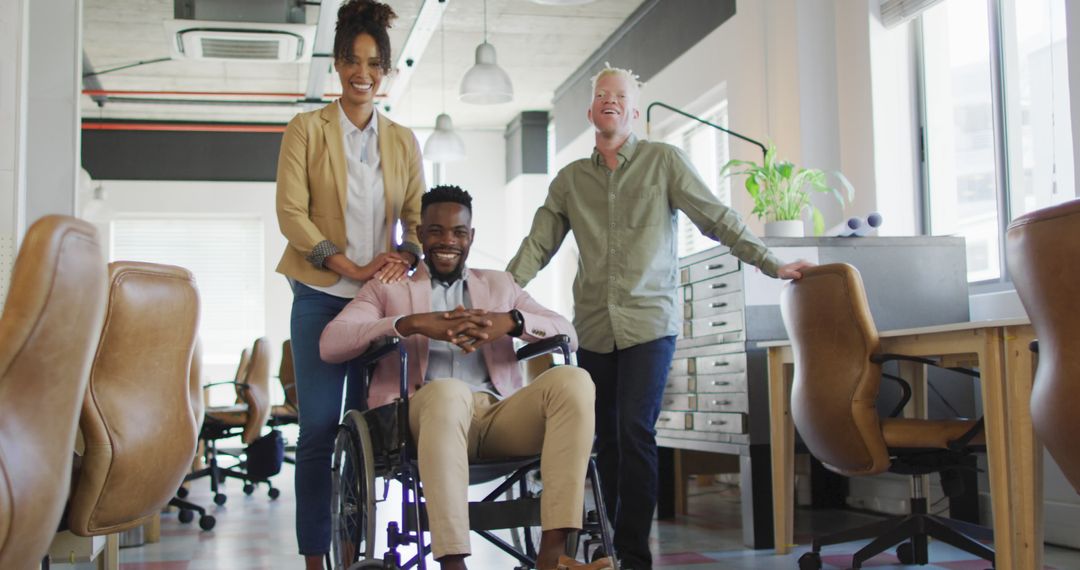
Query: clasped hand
{"points": [[469, 329]]}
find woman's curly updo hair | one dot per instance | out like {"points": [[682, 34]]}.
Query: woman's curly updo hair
{"points": [[357, 17]]}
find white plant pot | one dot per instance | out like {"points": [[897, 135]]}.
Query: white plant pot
{"points": [[786, 228]]}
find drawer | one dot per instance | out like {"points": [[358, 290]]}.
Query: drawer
{"points": [[722, 402], [680, 385], [709, 268], [718, 364], [713, 306], [675, 420], [718, 383], [713, 287], [679, 402], [720, 422], [714, 324]]}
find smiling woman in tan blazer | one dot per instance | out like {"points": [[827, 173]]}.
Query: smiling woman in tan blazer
{"points": [[346, 177]]}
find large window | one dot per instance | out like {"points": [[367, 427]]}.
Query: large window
{"points": [[226, 256], [996, 120], [707, 149]]}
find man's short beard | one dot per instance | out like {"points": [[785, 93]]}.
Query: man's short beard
{"points": [[445, 277]]}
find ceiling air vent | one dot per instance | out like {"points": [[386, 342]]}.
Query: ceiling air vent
{"points": [[239, 41]]}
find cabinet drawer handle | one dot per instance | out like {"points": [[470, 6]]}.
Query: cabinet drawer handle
{"points": [[718, 324], [716, 266], [718, 285], [720, 383], [717, 305], [669, 402], [717, 422], [721, 402], [719, 363], [663, 419]]}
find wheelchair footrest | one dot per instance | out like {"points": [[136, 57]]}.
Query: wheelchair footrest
{"points": [[489, 515]]}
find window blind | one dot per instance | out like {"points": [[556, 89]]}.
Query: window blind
{"points": [[896, 12], [226, 256]]}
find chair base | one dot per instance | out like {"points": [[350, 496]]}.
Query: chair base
{"points": [[910, 534]]}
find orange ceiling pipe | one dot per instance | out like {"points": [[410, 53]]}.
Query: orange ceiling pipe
{"points": [[185, 127]]}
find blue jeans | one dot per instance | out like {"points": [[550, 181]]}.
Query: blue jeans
{"points": [[629, 386], [319, 389]]}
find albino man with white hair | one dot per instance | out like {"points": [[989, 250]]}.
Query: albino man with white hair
{"points": [[621, 204]]}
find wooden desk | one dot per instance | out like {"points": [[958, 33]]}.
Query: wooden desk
{"points": [[1014, 455]]}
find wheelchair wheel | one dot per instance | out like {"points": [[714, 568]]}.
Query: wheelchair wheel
{"points": [[352, 494]]}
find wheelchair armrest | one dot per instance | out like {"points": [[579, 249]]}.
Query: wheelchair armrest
{"points": [[379, 349], [887, 357], [559, 342]]}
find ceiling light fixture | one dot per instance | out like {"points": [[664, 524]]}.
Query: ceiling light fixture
{"points": [[444, 145], [485, 83]]}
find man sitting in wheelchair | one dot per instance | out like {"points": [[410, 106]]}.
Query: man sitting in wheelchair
{"points": [[458, 325]]}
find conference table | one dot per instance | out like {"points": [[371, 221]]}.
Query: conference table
{"points": [[999, 349]]}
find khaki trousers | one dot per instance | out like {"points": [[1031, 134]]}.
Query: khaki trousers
{"points": [[552, 416]]}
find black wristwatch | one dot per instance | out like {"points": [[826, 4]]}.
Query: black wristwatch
{"points": [[519, 323]]}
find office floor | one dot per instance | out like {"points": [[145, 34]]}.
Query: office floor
{"points": [[256, 533]]}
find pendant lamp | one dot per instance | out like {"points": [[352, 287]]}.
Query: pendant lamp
{"points": [[444, 144], [485, 83]]}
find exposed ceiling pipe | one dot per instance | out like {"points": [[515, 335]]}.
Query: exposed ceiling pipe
{"points": [[129, 92], [90, 81], [322, 53], [424, 27], [184, 127]]}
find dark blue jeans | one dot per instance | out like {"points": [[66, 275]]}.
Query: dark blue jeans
{"points": [[629, 386], [319, 389]]}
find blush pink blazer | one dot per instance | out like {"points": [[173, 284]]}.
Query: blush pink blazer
{"points": [[372, 313]]}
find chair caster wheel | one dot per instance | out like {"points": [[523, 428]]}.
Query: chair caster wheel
{"points": [[182, 492], [186, 516], [274, 493], [905, 553], [249, 488], [219, 499], [207, 522], [810, 561]]}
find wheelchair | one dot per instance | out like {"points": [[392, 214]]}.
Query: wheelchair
{"points": [[376, 445]]}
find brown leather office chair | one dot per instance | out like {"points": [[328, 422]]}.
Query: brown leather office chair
{"points": [[195, 384], [288, 412], [1042, 249], [136, 417], [48, 333], [834, 407], [245, 419]]}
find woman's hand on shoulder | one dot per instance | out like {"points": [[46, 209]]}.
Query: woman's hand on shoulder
{"points": [[387, 267]]}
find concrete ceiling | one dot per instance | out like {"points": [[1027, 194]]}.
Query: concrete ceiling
{"points": [[538, 45]]}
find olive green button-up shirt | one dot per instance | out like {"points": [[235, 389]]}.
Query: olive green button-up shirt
{"points": [[625, 292]]}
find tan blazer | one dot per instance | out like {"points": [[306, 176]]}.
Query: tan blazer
{"points": [[312, 188], [372, 314]]}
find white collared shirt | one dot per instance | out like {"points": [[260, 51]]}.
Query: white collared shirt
{"points": [[365, 210]]}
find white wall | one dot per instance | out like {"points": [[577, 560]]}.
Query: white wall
{"points": [[134, 198], [13, 71]]}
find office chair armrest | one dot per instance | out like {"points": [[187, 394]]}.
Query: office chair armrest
{"points": [[905, 397], [887, 357], [225, 383], [962, 442], [558, 342], [379, 349]]}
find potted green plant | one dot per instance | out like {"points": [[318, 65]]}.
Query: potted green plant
{"points": [[781, 192]]}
